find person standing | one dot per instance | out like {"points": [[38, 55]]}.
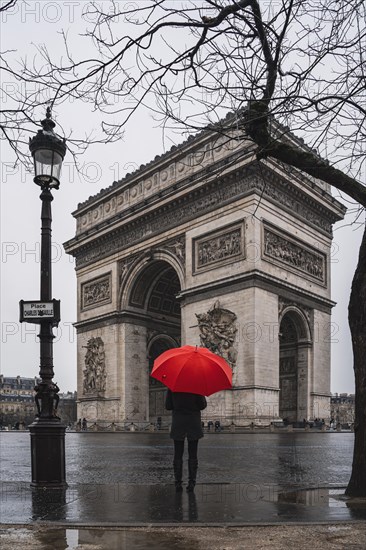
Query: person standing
{"points": [[186, 423]]}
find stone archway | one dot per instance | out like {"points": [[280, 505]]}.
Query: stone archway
{"points": [[294, 366], [154, 296], [157, 390], [182, 225]]}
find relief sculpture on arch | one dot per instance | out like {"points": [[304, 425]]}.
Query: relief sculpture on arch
{"points": [[218, 332], [94, 371]]}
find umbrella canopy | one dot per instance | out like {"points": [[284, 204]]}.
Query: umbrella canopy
{"points": [[191, 369]]}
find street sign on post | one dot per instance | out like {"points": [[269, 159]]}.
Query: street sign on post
{"points": [[36, 311]]}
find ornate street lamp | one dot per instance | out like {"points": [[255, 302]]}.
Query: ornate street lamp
{"points": [[47, 430], [48, 152]]}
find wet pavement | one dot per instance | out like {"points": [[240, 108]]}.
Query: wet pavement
{"points": [[213, 504], [126, 480], [282, 459]]}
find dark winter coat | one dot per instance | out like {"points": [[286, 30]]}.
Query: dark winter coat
{"points": [[186, 414]]}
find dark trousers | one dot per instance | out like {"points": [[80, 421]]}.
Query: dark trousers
{"points": [[179, 449]]}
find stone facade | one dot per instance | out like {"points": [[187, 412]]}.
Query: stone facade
{"points": [[342, 409], [17, 405], [205, 245]]}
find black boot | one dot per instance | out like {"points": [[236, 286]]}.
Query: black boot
{"points": [[192, 474], [178, 471]]}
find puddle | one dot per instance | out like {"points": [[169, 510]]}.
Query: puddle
{"points": [[330, 498], [72, 538], [99, 539], [95, 539]]}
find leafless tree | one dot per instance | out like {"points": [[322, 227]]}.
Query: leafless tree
{"points": [[282, 67]]}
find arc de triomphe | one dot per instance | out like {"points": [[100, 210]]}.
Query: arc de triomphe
{"points": [[206, 245]]}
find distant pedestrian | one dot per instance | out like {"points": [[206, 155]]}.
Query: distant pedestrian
{"points": [[186, 423], [84, 425], [209, 425], [78, 425], [217, 426]]}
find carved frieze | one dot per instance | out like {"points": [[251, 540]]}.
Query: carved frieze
{"points": [[278, 247], [94, 373], [218, 332], [96, 292], [217, 196], [218, 248], [136, 190]]}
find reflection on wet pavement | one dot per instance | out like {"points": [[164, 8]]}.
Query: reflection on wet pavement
{"points": [[136, 505], [328, 498], [313, 497], [127, 479], [95, 539], [132, 539]]}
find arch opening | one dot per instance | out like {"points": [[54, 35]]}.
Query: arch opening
{"points": [[157, 390], [293, 368], [154, 296]]}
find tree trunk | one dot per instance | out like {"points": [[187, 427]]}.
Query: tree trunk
{"points": [[357, 322], [256, 126]]}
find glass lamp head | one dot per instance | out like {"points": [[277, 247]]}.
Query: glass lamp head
{"points": [[48, 151]]}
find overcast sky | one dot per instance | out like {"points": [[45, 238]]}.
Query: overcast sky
{"points": [[20, 215]]}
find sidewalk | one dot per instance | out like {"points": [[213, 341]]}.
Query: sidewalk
{"points": [[284, 537]]}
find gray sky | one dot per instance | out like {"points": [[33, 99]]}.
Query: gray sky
{"points": [[101, 165]]}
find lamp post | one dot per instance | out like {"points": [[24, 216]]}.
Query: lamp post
{"points": [[47, 431]]}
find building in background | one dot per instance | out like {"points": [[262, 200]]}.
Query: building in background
{"points": [[342, 409], [67, 408], [17, 406]]}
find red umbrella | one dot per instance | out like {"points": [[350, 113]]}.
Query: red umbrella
{"points": [[191, 369]]}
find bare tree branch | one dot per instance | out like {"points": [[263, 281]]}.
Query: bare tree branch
{"points": [[295, 67]]}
